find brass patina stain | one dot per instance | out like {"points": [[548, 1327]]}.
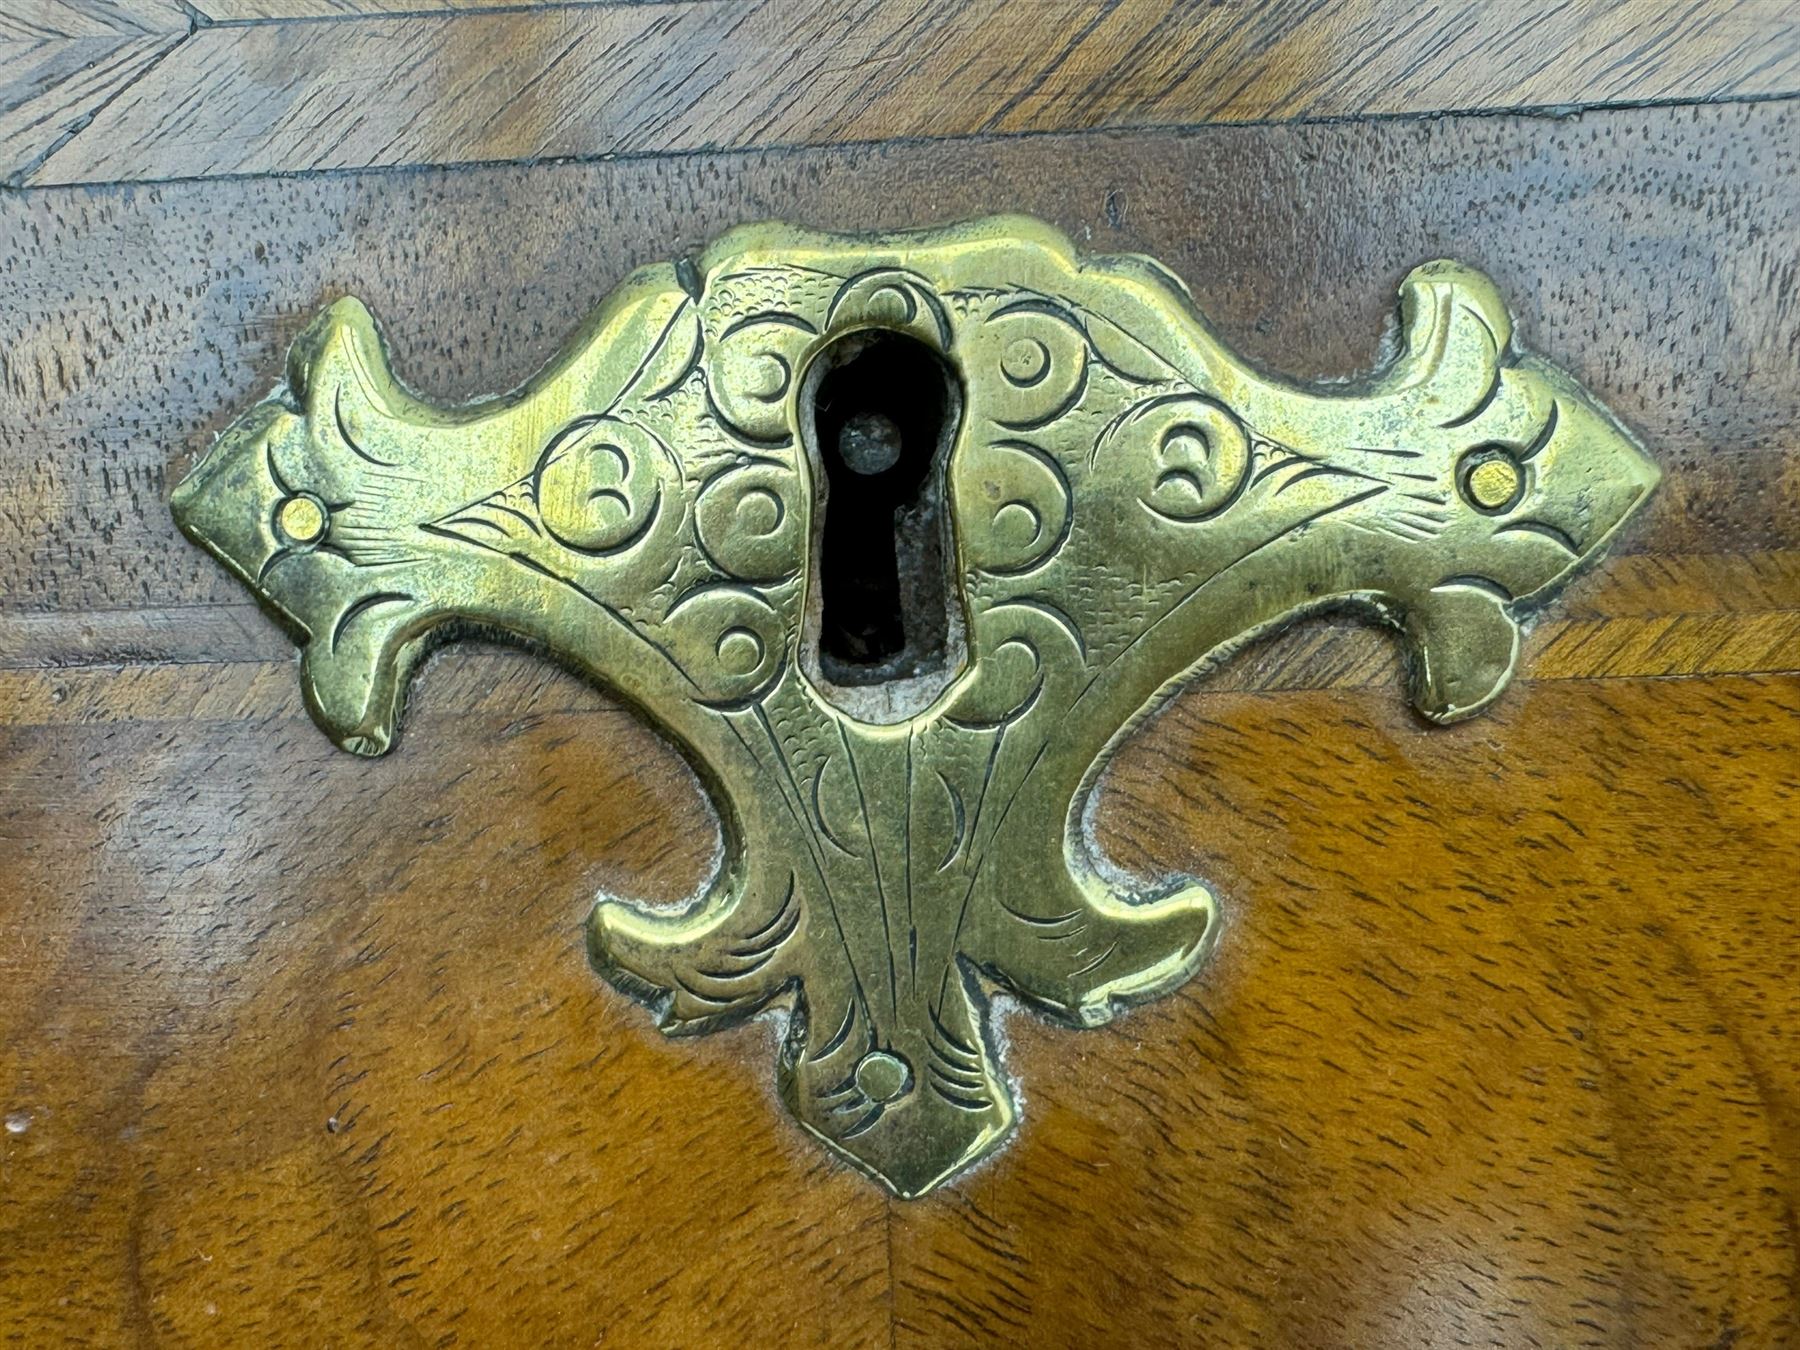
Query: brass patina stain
{"points": [[1124, 501]]}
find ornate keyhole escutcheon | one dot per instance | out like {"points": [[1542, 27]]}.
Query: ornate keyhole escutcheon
{"points": [[1087, 496]]}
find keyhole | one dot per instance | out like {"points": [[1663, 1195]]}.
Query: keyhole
{"points": [[882, 409]]}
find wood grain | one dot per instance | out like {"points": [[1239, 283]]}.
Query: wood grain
{"points": [[61, 61], [71, 20], [711, 74], [267, 1086], [1498, 1045], [51, 89], [259, 11], [1533, 1085]]}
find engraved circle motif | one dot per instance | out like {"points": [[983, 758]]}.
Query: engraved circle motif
{"points": [[1031, 357], [599, 484], [302, 519], [1022, 648], [727, 640], [891, 297], [883, 1077], [1189, 455], [1027, 369], [752, 369], [746, 522], [1015, 500], [1025, 362], [1492, 480]]}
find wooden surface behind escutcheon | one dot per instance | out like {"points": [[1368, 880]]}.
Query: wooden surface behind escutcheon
{"points": [[299, 1048], [1123, 500]]}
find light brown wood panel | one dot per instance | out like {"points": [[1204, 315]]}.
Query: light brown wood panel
{"points": [[533, 84], [305, 1050], [277, 1067], [1498, 1048]]}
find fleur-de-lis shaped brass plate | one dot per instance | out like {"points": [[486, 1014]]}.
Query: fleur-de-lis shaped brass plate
{"points": [[1120, 501]]}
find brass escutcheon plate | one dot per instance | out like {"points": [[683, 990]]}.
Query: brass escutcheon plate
{"points": [[1118, 501]]}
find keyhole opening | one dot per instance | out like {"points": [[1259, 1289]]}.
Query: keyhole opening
{"points": [[880, 410]]}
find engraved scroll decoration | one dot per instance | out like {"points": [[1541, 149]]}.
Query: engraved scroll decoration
{"points": [[1126, 501]]}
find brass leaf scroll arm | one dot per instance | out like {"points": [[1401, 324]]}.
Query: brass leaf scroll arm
{"points": [[1123, 500]]}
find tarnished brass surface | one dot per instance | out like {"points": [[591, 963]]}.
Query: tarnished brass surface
{"points": [[1123, 501]]}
